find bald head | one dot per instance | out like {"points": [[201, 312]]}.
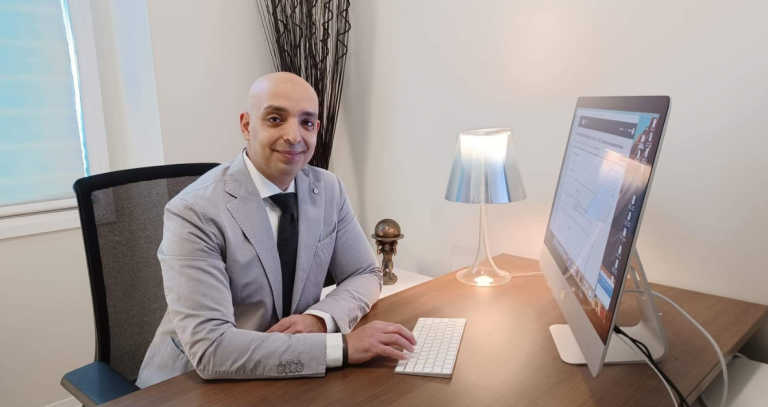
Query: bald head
{"points": [[279, 82], [280, 126]]}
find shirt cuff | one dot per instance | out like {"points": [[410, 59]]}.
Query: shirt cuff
{"points": [[330, 324], [334, 351]]}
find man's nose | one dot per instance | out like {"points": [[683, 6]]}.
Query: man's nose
{"points": [[292, 134]]}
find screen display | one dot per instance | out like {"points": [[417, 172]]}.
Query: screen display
{"points": [[602, 186]]}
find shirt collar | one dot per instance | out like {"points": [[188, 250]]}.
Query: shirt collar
{"points": [[266, 187]]}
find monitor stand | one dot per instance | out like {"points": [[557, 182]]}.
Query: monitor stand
{"points": [[649, 330]]}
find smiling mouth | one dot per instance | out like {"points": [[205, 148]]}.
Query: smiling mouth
{"points": [[290, 155]]}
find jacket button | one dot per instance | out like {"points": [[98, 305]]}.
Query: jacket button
{"points": [[315, 190]]}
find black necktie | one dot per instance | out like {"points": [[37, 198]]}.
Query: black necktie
{"points": [[287, 243]]}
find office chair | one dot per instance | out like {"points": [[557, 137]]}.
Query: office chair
{"points": [[121, 215]]}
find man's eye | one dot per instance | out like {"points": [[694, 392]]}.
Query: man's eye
{"points": [[273, 119], [309, 123]]}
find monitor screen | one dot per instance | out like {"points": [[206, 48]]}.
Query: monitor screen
{"points": [[598, 202]]}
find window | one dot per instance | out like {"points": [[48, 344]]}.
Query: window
{"points": [[51, 122]]}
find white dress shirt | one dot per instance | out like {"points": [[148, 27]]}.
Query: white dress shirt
{"points": [[334, 347]]}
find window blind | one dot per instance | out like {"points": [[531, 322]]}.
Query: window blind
{"points": [[41, 139]]}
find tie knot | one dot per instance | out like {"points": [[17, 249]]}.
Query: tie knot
{"points": [[287, 202]]}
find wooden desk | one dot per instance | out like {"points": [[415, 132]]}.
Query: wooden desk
{"points": [[507, 356]]}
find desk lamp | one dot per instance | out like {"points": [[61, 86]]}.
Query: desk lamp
{"points": [[484, 172]]}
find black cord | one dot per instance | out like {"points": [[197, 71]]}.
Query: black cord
{"points": [[644, 349]]}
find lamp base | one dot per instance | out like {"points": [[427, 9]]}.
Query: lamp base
{"points": [[483, 271], [483, 276]]}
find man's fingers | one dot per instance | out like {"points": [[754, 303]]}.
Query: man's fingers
{"points": [[296, 329], [395, 339], [292, 330], [400, 330], [281, 326], [391, 353]]}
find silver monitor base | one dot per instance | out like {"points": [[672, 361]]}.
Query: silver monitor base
{"points": [[649, 330], [618, 351]]}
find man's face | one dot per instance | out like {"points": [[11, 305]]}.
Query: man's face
{"points": [[281, 128]]}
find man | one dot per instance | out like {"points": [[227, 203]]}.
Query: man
{"points": [[245, 252]]}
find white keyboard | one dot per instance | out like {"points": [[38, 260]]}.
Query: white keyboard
{"points": [[438, 341]]}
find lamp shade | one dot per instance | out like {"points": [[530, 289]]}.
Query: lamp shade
{"points": [[485, 169]]}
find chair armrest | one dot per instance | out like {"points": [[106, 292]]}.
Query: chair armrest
{"points": [[96, 383]]}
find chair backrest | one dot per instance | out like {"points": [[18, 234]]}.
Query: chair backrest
{"points": [[121, 214]]}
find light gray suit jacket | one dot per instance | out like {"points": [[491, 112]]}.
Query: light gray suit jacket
{"points": [[222, 278]]}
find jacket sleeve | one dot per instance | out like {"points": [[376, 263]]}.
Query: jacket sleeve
{"points": [[200, 305], [354, 268]]}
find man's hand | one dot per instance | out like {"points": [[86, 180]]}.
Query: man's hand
{"points": [[379, 338], [300, 324]]}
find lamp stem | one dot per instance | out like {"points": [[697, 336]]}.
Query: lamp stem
{"points": [[483, 249], [483, 271]]}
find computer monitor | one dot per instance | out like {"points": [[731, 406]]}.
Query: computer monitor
{"points": [[596, 214]]}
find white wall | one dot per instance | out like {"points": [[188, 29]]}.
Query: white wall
{"points": [[128, 86], [419, 72], [206, 54], [46, 315]]}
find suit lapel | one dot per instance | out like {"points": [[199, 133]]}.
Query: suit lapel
{"points": [[251, 215], [311, 198]]}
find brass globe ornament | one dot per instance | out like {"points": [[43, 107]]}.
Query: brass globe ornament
{"points": [[386, 235]]}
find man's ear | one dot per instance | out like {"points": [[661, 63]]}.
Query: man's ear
{"points": [[245, 124]]}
